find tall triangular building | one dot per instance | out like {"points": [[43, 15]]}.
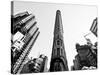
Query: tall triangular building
{"points": [[58, 57]]}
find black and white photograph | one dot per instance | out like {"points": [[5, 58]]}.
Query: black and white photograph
{"points": [[53, 37]]}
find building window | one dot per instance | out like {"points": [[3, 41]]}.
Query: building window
{"points": [[58, 51], [58, 42]]}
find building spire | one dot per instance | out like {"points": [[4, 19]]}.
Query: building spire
{"points": [[58, 23]]}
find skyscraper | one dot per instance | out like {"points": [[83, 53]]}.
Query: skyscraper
{"points": [[58, 57], [94, 27], [21, 47]]}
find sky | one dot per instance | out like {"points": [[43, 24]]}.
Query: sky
{"points": [[76, 20]]}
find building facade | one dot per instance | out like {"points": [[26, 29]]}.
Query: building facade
{"points": [[58, 57], [36, 65], [86, 57], [21, 47]]}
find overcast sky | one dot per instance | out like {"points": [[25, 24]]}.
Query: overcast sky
{"points": [[76, 19]]}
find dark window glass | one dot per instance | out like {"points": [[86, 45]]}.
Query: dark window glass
{"points": [[58, 42], [58, 51]]}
